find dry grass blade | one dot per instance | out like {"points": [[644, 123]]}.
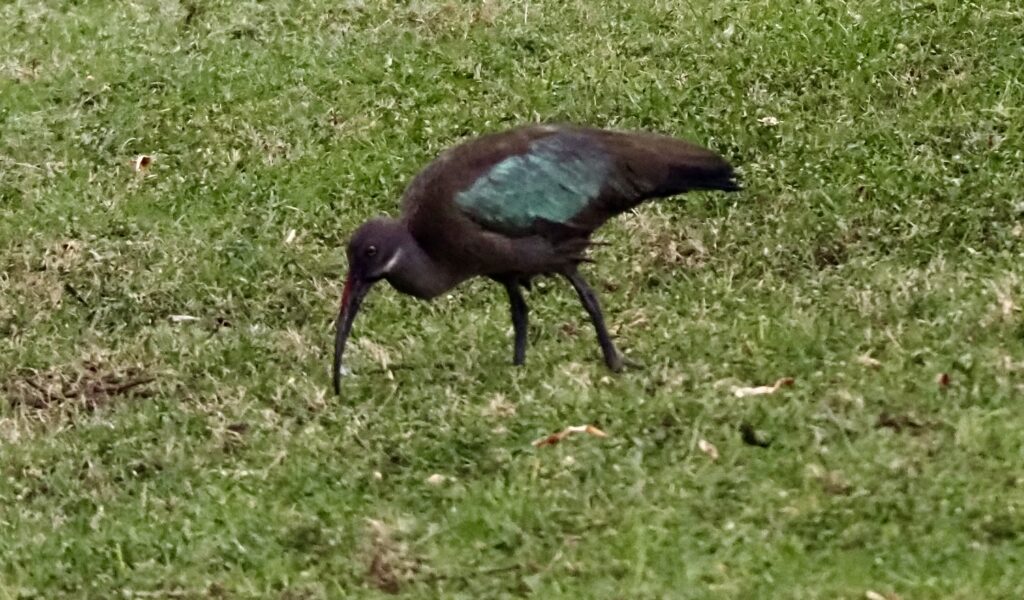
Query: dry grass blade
{"points": [[708, 448], [873, 595], [554, 438], [869, 361], [743, 392]]}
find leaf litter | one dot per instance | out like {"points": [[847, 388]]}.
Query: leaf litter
{"points": [[141, 163], [390, 562], [761, 390], [554, 438], [92, 385], [708, 448]]}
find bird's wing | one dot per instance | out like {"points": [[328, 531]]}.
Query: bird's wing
{"points": [[577, 178], [553, 180]]}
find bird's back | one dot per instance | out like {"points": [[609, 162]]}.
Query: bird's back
{"points": [[544, 180]]}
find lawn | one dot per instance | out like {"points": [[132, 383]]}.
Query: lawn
{"points": [[167, 429]]}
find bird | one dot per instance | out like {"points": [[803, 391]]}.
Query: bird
{"points": [[514, 205]]}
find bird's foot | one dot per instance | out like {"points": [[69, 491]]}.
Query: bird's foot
{"points": [[619, 362], [632, 363], [615, 361]]}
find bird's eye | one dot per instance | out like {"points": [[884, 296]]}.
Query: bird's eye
{"points": [[371, 250]]}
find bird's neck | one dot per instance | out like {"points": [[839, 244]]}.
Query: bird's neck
{"points": [[417, 274]]}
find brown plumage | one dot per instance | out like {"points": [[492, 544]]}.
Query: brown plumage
{"points": [[516, 204]]}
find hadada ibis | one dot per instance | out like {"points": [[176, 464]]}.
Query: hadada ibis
{"points": [[513, 205]]}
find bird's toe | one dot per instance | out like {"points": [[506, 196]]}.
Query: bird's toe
{"points": [[632, 363], [620, 362]]}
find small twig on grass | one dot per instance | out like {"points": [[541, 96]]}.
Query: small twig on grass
{"points": [[70, 289], [124, 387]]}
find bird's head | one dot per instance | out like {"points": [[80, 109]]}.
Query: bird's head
{"points": [[373, 253], [375, 249]]}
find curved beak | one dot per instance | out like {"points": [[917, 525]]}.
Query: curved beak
{"points": [[355, 290]]}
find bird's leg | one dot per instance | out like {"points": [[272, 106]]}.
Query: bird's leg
{"points": [[519, 319], [612, 358]]}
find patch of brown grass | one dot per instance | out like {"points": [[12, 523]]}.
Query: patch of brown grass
{"points": [[91, 385], [664, 244], [390, 563]]}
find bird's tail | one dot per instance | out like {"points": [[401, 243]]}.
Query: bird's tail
{"points": [[656, 166], [684, 177]]}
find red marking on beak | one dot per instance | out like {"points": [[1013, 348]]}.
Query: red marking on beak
{"points": [[345, 294]]}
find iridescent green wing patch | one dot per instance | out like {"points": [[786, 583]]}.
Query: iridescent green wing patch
{"points": [[553, 181]]}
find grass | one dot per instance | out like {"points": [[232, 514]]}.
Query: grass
{"points": [[878, 245]]}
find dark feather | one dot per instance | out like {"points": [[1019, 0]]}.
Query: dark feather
{"points": [[649, 166], [509, 199]]}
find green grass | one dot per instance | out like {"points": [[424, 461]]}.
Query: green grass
{"points": [[881, 148]]}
